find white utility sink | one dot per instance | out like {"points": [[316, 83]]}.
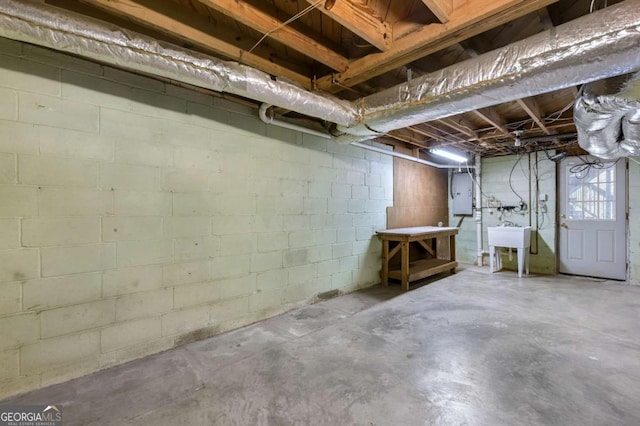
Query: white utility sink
{"points": [[518, 237], [509, 236]]}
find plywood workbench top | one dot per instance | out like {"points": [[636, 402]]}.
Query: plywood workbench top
{"points": [[417, 230]]}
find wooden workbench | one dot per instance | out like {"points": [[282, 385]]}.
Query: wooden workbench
{"points": [[431, 264]]}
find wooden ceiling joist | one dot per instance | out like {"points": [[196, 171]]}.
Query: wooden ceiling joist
{"points": [[491, 116], [427, 133], [359, 19], [441, 8], [468, 20], [461, 126], [172, 19], [530, 106], [421, 35], [408, 137], [255, 18]]}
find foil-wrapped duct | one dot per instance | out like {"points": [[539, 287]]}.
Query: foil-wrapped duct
{"points": [[596, 46], [607, 117], [603, 44], [62, 30]]}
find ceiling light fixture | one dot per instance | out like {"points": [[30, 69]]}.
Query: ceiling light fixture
{"points": [[449, 155]]}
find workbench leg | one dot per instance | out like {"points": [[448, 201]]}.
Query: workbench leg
{"points": [[405, 265], [385, 263]]}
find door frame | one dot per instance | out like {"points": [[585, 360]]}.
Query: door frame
{"points": [[558, 219]]}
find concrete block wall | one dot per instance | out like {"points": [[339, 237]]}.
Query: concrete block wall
{"points": [[495, 183], [137, 215]]}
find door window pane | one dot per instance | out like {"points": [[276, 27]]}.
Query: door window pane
{"points": [[592, 193]]}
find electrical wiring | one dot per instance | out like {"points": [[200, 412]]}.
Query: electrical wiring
{"points": [[517, 124], [557, 115], [452, 135], [525, 173], [473, 179], [539, 212], [511, 177], [583, 169], [285, 23], [451, 187]]}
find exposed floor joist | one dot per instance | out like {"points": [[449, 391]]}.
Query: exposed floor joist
{"points": [[492, 117], [441, 8], [359, 19], [473, 18], [259, 20], [359, 47], [531, 107], [173, 20]]}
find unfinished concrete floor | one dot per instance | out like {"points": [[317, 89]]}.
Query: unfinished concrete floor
{"points": [[473, 348]]}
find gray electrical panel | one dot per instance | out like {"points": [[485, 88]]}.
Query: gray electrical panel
{"points": [[462, 192]]}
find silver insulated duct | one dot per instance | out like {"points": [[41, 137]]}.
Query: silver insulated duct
{"points": [[59, 29], [603, 44], [607, 117]]}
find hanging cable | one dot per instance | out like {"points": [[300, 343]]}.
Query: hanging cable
{"points": [[285, 23], [473, 179], [582, 170], [511, 175]]}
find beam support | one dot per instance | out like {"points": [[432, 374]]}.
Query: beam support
{"points": [[255, 18], [441, 8], [359, 19], [531, 107], [491, 116], [461, 125], [172, 19], [468, 20]]}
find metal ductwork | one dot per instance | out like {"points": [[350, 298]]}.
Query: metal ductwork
{"points": [[66, 31], [603, 44], [607, 117]]}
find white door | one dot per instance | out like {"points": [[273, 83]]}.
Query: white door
{"points": [[593, 218]]}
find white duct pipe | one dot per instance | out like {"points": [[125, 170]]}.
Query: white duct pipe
{"points": [[267, 119], [262, 113], [405, 157], [479, 210]]}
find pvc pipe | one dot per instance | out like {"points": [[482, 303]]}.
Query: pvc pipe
{"points": [[262, 112], [479, 210], [407, 157]]}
